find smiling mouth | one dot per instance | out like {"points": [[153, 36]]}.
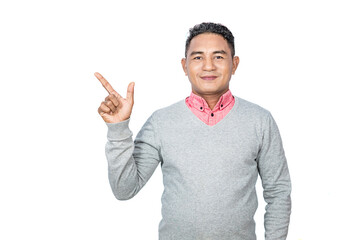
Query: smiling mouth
{"points": [[208, 77]]}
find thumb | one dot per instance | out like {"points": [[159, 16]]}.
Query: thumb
{"points": [[130, 92]]}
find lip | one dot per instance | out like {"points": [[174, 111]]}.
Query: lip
{"points": [[211, 77]]}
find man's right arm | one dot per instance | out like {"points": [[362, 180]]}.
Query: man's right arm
{"points": [[130, 165]]}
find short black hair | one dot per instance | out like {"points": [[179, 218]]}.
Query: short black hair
{"points": [[209, 27]]}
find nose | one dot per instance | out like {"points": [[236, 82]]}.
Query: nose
{"points": [[208, 64]]}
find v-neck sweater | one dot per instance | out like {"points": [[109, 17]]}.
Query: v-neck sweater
{"points": [[209, 172]]}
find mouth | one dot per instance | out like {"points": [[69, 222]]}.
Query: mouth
{"points": [[208, 78]]}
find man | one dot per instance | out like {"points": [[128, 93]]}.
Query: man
{"points": [[211, 147]]}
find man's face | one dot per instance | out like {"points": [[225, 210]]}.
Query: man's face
{"points": [[209, 64]]}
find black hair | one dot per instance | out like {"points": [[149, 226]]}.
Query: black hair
{"points": [[209, 27]]}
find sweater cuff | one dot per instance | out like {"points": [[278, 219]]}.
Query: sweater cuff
{"points": [[118, 131]]}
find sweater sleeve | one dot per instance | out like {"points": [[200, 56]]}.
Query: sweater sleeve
{"points": [[130, 163], [274, 173]]}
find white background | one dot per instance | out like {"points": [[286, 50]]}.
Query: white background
{"points": [[302, 60]]}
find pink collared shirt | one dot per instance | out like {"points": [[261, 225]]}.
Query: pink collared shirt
{"points": [[201, 109]]}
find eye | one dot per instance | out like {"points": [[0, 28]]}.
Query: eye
{"points": [[197, 58], [219, 57]]}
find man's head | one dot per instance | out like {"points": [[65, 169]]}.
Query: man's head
{"points": [[209, 59]]}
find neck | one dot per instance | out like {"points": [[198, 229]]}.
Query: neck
{"points": [[211, 99]]}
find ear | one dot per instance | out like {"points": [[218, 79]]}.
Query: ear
{"points": [[184, 65], [235, 64]]}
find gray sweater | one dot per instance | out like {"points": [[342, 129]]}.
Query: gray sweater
{"points": [[209, 172]]}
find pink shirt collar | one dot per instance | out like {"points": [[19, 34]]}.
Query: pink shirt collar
{"points": [[199, 103]]}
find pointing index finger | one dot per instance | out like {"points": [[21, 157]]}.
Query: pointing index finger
{"points": [[104, 83]]}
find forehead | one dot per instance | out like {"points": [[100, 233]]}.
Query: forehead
{"points": [[208, 42]]}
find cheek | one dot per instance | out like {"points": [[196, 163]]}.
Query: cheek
{"points": [[193, 70], [226, 69]]}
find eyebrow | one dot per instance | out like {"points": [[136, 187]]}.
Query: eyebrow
{"points": [[220, 52], [215, 52], [195, 53]]}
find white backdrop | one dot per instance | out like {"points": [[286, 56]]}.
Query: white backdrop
{"points": [[302, 60]]}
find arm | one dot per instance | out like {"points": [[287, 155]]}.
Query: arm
{"points": [[273, 169], [130, 164]]}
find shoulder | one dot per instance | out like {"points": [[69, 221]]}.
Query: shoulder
{"points": [[251, 109], [257, 116], [170, 112]]}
